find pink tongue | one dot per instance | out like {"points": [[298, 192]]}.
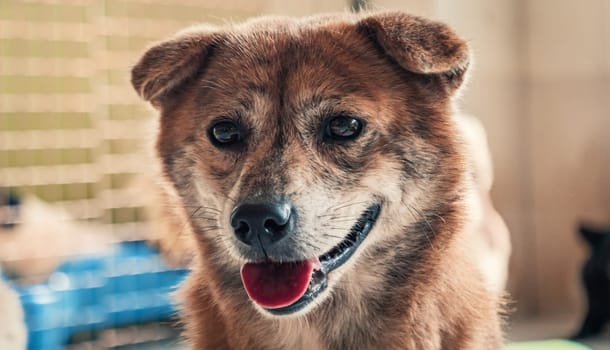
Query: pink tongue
{"points": [[274, 285]]}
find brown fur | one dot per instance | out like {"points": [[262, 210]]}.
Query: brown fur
{"points": [[411, 284]]}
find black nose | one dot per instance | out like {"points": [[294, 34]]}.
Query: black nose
{"points": [[270, 222]]}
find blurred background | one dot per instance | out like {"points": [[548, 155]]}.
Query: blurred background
{"points": [[74, 149]]}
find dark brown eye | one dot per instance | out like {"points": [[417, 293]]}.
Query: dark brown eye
{"points": [[342, 128], [225, 133]]}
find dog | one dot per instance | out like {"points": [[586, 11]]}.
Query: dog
{"points": [[13, 334], [491, 237], [325, 183]]}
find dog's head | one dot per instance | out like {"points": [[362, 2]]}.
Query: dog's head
{"points": [[303, 149]]}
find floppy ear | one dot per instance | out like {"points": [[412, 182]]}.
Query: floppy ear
{"points": [[169, 64], [420, 46]]}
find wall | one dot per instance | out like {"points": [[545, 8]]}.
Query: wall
{"points": [[568, 109], [541, 86]]}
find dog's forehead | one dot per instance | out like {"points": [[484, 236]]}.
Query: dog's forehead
{"points": [[300, 62]]}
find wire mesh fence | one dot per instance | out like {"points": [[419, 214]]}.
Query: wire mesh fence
{"points": [[72, 129], [74, 138]]}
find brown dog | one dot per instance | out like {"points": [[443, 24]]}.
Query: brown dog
{"points": [[319, 166]]}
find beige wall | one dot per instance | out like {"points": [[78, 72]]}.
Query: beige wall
{"points": [[541, 85], [567, 59], [302, 8]]}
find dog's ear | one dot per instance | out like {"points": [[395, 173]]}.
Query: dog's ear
{"points": [[169, 64], [420, 46], [593, 237]]}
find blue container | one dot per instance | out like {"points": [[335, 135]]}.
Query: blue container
{"points": [[129, 285]]}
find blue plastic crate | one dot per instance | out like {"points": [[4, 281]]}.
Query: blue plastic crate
{"points": [[129, 285]]}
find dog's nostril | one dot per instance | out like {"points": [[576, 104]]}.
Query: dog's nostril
{"points": [[242, 228], [273, 227], [242, 232]]}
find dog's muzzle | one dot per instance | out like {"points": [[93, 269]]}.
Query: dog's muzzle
{"points": [[283, 285]]}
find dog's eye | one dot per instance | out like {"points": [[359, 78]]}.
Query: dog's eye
{"points": [[343, 128], [225, 133]]}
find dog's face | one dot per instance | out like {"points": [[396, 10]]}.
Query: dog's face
{"points": [[302, 149]]}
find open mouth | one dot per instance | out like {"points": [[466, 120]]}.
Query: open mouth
{"points": [[285, 288]]}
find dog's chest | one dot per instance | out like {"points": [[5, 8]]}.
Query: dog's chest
{"points": [[298, 334]]}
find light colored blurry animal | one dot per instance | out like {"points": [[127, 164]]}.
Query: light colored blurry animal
{"points": [[43, 237], [13, 333], [491, 238]]}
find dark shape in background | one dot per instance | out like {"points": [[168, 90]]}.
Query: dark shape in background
{"points": [[596, 278]]}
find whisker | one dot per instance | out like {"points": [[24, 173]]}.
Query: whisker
{"points": [[339, 229], [334, 216], [231, 198], [333, 236], [440, 217], [344, 219], [205, 217], [333, 207], [409, 207], [190, 206], [207, 231], [311, 245], [348, 205], [211, 227], [182, 230], [331, 215], [211, 209]]}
